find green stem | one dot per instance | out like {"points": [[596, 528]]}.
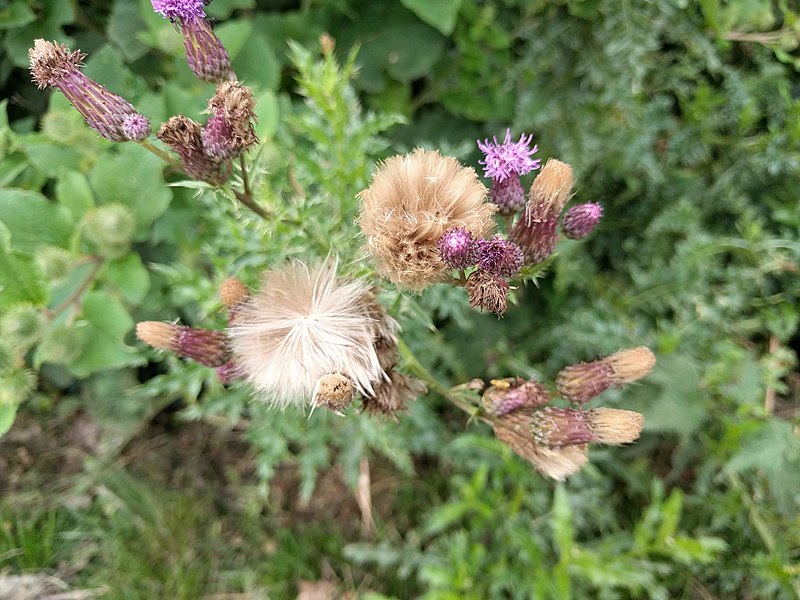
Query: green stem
{"points": [[161, 154], [246, 195]]}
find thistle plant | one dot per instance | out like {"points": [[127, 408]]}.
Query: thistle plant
{"points": [[313, 335]]}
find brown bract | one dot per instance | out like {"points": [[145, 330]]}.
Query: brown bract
{"points": [[412, 201]]}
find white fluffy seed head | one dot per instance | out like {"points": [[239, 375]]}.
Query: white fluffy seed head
{"points": [[303, 324]]}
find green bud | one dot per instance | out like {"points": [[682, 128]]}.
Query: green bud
{"points": [[109, 229], [21, 326], [16, 385], [62, 344], [54, 262]]}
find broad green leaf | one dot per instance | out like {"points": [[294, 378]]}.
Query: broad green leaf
{"points": [[269, 113], [33, 221], [8, 412], [20, 280], [256, 63], [15, 15], [124, 25], [441, 14], [132, 177], [50, 157], [52, 15], [130, 276], [109, 322], [73, 191]]}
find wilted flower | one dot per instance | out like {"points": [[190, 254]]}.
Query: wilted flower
{"points": [[508, 395], [206, 346], [393, 396], [457, 248], [515, 430], [205, 54], [54, 65], [554, 427], [584, 381], [504, 163], [499, 256], [304, 324], [487, 292], [334, 391], [230, 130], [183, 135], [412, 201], [536, 233], [580, 220]]}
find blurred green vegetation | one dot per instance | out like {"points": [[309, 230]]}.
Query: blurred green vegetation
{"points": [[681, 118]]}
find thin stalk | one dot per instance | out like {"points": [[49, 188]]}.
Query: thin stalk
{"points": [[246, 195], [161, 154]]}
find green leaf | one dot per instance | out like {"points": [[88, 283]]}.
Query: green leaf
{"points": [[109, 322], [15, 15], [8, 412], [124, 25], [52, 15], [20, 280], [441, 14], [269, 114], [50, 157], [130, 276], [256, 62], [132, 177], [33, 221], [73, 191]]}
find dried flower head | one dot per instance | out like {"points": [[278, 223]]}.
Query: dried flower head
{"points": [[513, 394], [230, 130], [334, 392], [580, 220], [392, 397], [205, 54], [303, 324], [457, 248], [550, 191], [515, 431], [499, 256], [582, 382], [233, 292], [183, 135], [558, 427], [487, 292], [615, 426], [55, 65], [206, 346], [411, 202], [509, 158]]}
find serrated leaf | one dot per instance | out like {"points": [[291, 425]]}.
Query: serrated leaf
{"points": [[109, 322], [441, 14], [33, 221], [132, 177], [130, 276]]}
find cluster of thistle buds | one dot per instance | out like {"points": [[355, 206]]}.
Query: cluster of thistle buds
{"points": [[205, 152], [556, 439], [532, 238]]}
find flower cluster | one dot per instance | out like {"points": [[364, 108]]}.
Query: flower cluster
{"points": [[554, 439]]}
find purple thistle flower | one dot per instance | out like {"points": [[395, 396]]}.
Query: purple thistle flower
{"points": [[457, 248], [503, 160], [54, 65], [513, 394], [499, 257], [205, 54], [508, 195], [580, 220]]}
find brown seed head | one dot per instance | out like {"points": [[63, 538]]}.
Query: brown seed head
{"points": [[50, 62], [615, 426], [630, 365], [487, 292], [233, 292], [334, 391], [550, 191], [411, 202], [184, 136], [159, 335], [393, 395]]}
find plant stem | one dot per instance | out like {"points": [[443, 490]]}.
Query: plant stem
{"points": [[246, 196], [160, 154]]}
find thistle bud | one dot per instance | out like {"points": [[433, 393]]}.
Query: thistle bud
{"points": [[109, 229], [54, 262], [206, 346], [512, 394], [392, 395], [55, 65], [507, 195], [22, 326], [16, 385], [334, 392], [232, 292], [205, 54], [457, 248], [580, 220], [184, 136], [499, 256], [487, 292], [584, 381], [230, 130]]}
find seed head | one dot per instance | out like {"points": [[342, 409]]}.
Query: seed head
{"points": [[411, 202], [230, 130], [615, 426], [580, 220], [554, 427], [334, 391], [631, 365], [550, 191], [499, 256], [232, 292], [392, 397], [55, 65], [509, 158], [206, 346], [183, 135], [457, 248], [487, 292], [584, 381]]}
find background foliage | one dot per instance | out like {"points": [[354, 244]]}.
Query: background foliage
{"points": [[682, 119]]}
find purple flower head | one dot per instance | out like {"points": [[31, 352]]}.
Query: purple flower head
{"points": [[507, 195], [503, 160], [580, 220], [182, 10], [536, 238], [457, 248], [499, 257]]}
